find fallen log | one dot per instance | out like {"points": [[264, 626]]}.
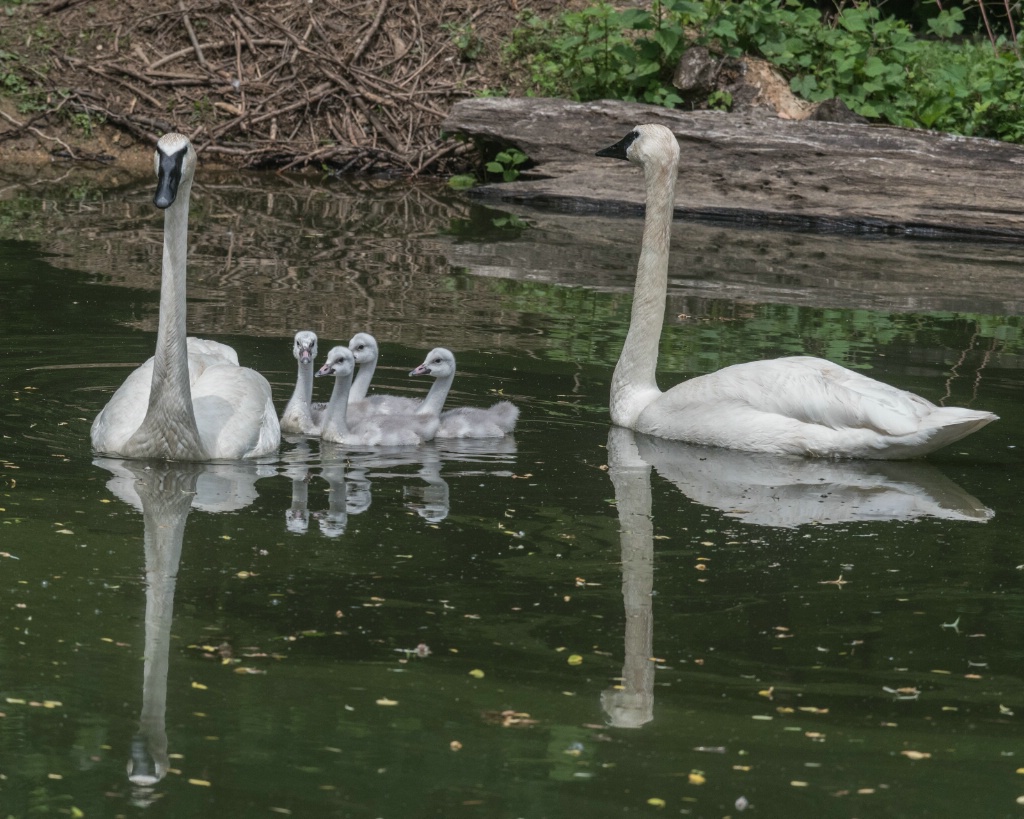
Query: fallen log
{"points": [[757, 169]]}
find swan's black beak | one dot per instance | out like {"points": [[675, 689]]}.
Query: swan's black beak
{"points": [[423, 369], [168, 177], [618, 150]]}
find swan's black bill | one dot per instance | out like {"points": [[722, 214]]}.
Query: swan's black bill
{"points": [[618, 150], [168, 176]]}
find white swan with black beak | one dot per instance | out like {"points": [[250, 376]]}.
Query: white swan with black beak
{"points": [[191, 401], [785, 406]]}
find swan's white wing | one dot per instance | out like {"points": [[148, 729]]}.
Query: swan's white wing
{"points": [[805, 406], [212, 351], [126, 409], [124, 412], [235, 413]]}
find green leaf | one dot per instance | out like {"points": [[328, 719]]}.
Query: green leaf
{"points": [[874, 67], [462, 182], [668, 39], [853, 20]]}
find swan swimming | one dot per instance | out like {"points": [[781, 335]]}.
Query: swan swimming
{"points": [[494, 421], [365, 351], [191, 401], [786, 406], [381, 430], [300, 414]]}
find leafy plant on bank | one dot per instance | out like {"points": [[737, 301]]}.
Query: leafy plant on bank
{"points": [[504, 166], [875, 63]]}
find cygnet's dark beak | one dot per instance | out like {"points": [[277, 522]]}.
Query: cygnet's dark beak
{"points": [[327, 369], [423, 369]]}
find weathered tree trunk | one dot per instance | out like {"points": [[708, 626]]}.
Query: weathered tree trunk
{"points": [[757, 169]]}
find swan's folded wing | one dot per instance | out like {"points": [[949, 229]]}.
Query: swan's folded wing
{"points": [[235, 413], [212, 351], [808, 390], [124, 412], [805, 406]]}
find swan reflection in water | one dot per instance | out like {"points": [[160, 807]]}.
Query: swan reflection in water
{"points": [[350, 474], [778, 491], [166, 493], [758, 489]]}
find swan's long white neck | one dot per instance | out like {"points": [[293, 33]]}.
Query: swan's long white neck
{"points": [[170, 417], [361, 383], [433, 401], [633, 383], [304, 384], [335, 416]]}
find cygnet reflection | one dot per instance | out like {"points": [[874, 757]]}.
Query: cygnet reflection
{"points": [[430, 500], [334, 521], [350, 474], [297, 467]]}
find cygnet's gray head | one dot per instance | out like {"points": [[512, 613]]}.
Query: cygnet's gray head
{"points": [[305, 346], [439, 363], [364, 348], [340, 362]]}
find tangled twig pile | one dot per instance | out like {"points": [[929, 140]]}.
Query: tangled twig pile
{"points": [[358, 85]]}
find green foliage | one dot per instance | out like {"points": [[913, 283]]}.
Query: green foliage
{"points": [[462, 181], [10, 81], [505, 164], [85, 122], [601, 52], [720, 100], [466, 40], [875, 63]]}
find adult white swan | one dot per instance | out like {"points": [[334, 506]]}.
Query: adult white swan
{"points": [[797, 406], [191, 401]]}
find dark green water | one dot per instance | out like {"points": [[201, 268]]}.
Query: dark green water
{"points": [[599, 637]]}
